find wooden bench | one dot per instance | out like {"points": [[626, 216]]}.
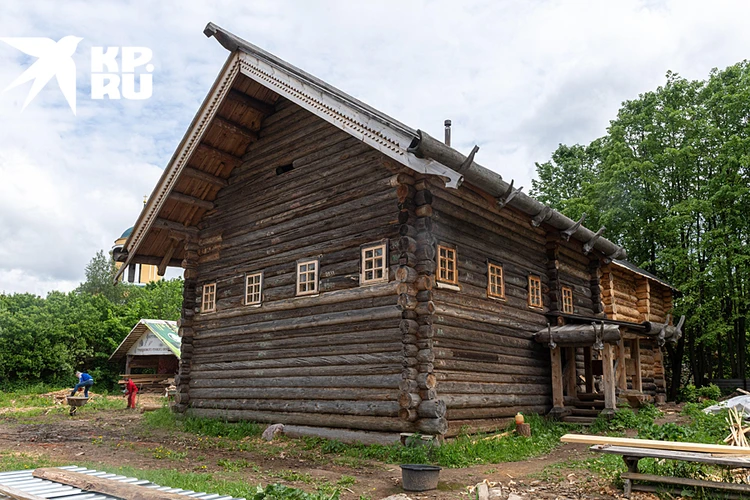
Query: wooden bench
{"points": [[632, 455]]}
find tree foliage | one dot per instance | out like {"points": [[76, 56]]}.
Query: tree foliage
{"points": [[47, 339], [670, 181]]}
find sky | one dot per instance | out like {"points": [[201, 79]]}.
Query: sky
{"points": [[516, 78]]}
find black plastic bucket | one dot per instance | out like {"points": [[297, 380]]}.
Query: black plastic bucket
{"points": [[419, 477]]}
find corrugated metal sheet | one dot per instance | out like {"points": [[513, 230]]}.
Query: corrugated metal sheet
{"points": [[24, 481]]}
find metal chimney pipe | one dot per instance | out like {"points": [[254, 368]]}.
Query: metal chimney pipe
{"points": [[447, 132]]}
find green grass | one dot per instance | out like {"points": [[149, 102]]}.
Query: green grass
{"points": [[166, 419], [463, 451], [27, 396]]}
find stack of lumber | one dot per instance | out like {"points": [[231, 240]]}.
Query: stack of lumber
{"points": [[737, 429], [653, 444], [149, 381]]}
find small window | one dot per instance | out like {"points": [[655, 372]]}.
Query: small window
{"points": [[535, 291], [209, 298], [253, 285], [307, 277], [495, 281], [373, 265], [447, 265], [567, 300]]}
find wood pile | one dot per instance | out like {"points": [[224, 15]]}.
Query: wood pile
{"points": [[737, 428]]}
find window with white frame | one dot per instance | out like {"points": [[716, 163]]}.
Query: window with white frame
{"points": [[535, 291], [253, 288], [208, 304], [567, 300], [373, 264], [447, 265], [307, 277], [495, 281]]}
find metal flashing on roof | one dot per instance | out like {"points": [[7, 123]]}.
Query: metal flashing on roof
{"points": [[23, 480]]}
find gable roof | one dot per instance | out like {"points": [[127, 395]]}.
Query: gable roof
{"points": [[637, 270], [255, 80], [166, 331]]}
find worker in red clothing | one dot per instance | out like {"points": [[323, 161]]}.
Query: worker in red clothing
{"points": [[130, 391]]}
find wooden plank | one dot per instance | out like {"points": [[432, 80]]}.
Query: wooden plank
{"points": [[106, 486], [683, 481], [621, 372], [205, 177], [17, 494], [557, 378], [654, 445], [191, 200], [635, 353], [608, 378]]}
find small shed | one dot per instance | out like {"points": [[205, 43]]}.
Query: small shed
{"points": [[153, 345]]}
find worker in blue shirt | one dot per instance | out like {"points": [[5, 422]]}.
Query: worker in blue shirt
{"points": [[84, 380]]}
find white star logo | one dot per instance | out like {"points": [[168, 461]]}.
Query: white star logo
{"points": [[55, 59]]}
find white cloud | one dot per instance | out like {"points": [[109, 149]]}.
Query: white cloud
{"points": [[516, 78]]}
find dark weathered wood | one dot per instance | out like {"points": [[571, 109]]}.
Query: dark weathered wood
{"points": [[251, 102], [231, 128], [191, 200], [205, 177], [119, 489]]}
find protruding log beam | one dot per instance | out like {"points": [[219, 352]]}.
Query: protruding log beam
{"points": [[162, 269], [251, 102], [221, 155], [174, 226], [205, 177], [191, 200], [235, 128]]}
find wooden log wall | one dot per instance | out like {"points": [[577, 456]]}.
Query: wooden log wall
{"points": [[487, 365], [333, 359], [185, 328]]}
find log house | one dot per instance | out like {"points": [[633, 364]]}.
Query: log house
{"points": [[352, 277]]}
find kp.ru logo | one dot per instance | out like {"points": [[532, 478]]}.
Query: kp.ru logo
{"points": [[108, 77]]}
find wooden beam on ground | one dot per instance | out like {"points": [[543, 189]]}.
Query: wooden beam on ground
{"points": [[162, 269], [191, 200], [655, 445], [205, 177], [219, 154], [608, 378], [105, 486], [635, 353], [251, 102], [17, 494], [557, 378], [233, 128], [177, 227]]}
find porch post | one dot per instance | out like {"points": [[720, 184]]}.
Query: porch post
{"points": [[570, 372], [588, 370], [558, 404], [609, 379], [622, 374]]}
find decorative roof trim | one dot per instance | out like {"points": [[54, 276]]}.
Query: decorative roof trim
{"points": [[182, 155], [392, 141]]}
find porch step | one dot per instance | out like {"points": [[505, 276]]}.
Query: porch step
{"points": [[590, 396], [572, 419], [583, 412], [598, 405]]}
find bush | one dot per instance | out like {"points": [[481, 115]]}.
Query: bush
{"points": [[687, 394], [711, 392]]}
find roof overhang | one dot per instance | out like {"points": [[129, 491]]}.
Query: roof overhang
{"points": [[397, 141]]}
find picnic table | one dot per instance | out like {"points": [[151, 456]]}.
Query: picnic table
{"points": [[632, 455]]}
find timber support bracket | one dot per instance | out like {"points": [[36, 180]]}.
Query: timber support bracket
{"points": [[572, 229], [589, 245], [543, 215], [509, 194]]}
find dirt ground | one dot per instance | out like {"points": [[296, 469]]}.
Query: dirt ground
{"points": [[118, 437]]}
